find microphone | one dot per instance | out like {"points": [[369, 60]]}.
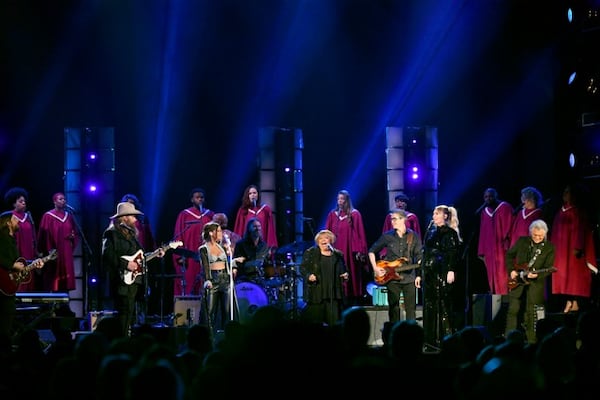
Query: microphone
{"points": [[192, 222], [331, 248], [67, 206], [430, 224], [254, 203], [306, 219], [124, 225], [516, 210], [227, 243], [480, 208]]}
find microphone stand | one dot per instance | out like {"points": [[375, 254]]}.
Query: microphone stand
{"points": [[466, 258], [34, 238], [141, 309], [231, 286], [183, 265], [90, 256], [329, 323], [481, 208]]}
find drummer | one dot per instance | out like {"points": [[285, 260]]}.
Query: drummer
{"points": [[252, 253]]}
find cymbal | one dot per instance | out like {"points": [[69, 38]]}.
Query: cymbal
{"points": [[180, 251], [295, 248]]}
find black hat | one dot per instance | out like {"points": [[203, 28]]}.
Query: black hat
{"points": [[401, 196]]}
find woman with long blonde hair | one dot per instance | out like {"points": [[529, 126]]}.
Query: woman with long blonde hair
{"points": [[436, 275]]}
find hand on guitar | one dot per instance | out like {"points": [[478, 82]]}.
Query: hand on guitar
{"points": [[134, 265], [378, 271], [21, 264], [523, 276]]}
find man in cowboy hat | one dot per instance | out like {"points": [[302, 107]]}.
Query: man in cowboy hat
{"points": [[123, 258]]}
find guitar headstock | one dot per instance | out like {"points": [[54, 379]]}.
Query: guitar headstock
{"points": [[52, 254], [175, 244]]}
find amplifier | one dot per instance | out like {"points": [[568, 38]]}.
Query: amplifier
{"points": [[187, 310], [94, 317], [380, 296], [377, 317]]}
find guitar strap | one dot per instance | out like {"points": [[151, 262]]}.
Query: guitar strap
{"points": [[409, 240], [536, 253]]}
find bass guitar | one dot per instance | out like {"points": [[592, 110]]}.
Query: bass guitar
{"points": [[521, 279], [393, 269], [10, 280], [139, 257]]}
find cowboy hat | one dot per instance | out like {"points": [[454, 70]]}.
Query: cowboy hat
{"points": [[126, 208]]}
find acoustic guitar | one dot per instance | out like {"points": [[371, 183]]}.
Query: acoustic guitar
{"points": [[10, 280], [393, 269]]}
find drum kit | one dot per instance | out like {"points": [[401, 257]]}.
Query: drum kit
{"points": [[271, 285], [275, 282]]}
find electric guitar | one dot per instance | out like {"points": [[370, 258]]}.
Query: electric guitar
{"points": [[392, 270], [10, 280], [521, 279], [140, 256]]}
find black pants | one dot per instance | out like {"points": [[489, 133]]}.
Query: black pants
{"points": [[125, 305], [406, 289], [524, 299], [437, 309], [217, 300], [324, 312]]}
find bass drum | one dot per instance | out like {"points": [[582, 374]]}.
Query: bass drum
{"points": [[250, 297]]}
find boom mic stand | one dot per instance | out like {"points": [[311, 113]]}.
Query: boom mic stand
{"points": [[90, 255]]}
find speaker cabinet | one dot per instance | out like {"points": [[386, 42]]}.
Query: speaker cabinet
{"points": [[489, 310], [377, 317], [187, 310], [485, 308], [380, 297], [94, 317]]}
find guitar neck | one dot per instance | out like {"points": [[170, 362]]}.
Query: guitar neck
{"points": [[33, 265], [166, 247], [152, 255]]}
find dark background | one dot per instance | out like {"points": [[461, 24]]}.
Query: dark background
{"points": [[188, 84]]}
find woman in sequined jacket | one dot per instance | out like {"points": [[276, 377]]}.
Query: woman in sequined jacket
{"points": [[436, 275]]}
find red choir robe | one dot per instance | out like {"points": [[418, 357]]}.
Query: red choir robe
{"points": [[265, 215], [188, 229], [350, 240], [571, 231], [412, 222], [494, 231], [58, 231], [521, 222], [26, 245]]}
